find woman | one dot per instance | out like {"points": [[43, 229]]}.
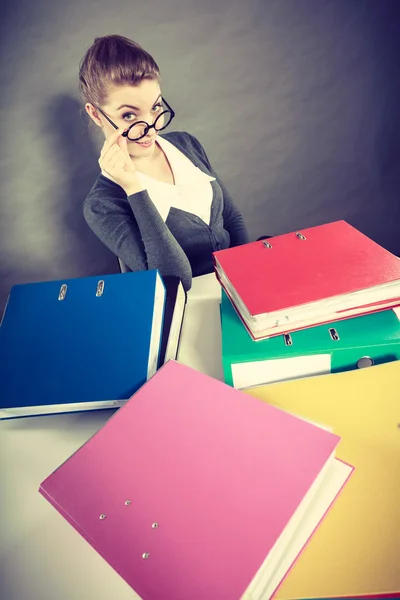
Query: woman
{"points": [[157, 203]]}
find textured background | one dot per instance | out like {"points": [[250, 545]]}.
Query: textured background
{"points": [[295, 101]]}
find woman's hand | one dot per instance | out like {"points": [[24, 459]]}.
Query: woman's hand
{"points": [[115, 160]]}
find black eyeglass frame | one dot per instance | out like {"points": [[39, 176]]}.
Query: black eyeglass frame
{"points": [[147, 126]]}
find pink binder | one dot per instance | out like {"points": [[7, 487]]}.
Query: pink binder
{"points": [[188, 487]]}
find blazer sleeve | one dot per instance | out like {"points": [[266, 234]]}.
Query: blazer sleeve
{"points": [[133, 230]]}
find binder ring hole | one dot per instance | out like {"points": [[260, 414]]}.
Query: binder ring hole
{"points": [[155, 526], [267, 244], [334, 334], [288, 339], [128, 502], [145, 555], [100, 288], [63, 292], [300, 236], [102, 517], [364, 362]]}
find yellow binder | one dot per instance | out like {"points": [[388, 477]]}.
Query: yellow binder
{"points": [[356, 550]]}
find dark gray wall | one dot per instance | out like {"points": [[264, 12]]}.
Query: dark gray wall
{"points": [[295, 101]]}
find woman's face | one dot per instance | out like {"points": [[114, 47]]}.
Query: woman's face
{"points": [[127, 104]]}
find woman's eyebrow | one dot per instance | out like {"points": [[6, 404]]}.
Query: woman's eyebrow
{"points": [[135, 107]]}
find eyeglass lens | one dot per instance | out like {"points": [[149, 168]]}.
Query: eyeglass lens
{"points": [[140, 129]]}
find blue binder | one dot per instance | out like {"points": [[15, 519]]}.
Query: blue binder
{"points": [[79, 344]]}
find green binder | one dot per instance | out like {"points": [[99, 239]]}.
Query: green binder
{"points": [[340, 346]]}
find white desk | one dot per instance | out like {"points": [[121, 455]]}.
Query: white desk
{"points": [[41, 556]]}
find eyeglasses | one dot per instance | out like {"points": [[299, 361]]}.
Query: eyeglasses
{"points": [[140, 129]]}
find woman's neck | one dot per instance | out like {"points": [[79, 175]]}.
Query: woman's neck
{"points": [[148, 161]]}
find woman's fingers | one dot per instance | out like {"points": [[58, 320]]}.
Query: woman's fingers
{"points": [[118, 162], [111, 140], [115, 158], [111, 152], [123, 144]]}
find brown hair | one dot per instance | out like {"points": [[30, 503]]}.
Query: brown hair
{"points": [[113, 59]]}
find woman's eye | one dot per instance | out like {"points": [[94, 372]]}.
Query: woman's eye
{"points": [[157, 107], [129, 117]]}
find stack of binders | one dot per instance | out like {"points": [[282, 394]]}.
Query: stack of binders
{"points": [[191, 529], [321, 300], [196, 490], [302, 314]]}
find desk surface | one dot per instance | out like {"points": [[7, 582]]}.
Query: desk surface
{"points": [[41, 556]]}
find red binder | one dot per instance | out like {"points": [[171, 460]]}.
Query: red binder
{"points": [[308, 278]]}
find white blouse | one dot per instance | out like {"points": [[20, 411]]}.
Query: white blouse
{"points": [[192, 191]]}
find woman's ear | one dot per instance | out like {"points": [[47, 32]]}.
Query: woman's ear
{"points": [[93, 114]]}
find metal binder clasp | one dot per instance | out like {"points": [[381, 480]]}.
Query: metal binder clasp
{"points": [[63, 291], [100, 288], [300, 236], [267, 244], [288, 339]]}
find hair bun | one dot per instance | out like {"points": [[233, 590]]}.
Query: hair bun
{"points": [[113, 59]]}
